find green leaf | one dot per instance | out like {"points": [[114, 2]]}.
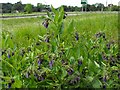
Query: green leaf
{"points": [[56, 14], [114, 68], [90, 65], [97, 64], [64, 73], [70, 27], [49, 15], [5, 77], [17, 84], [89, 78], [53, 9], [8, 64], [61, 15], [72, 59], [54, 45], [97, 83]]}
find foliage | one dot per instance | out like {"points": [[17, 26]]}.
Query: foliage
{"points": [[8, 7], [18, 6], [28, 8], [67, 54]]}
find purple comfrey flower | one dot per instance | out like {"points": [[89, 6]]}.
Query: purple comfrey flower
{"points": [[40, 78], [104, 78], [70, 71], [47, 39], [9, 85], [112, 58], [108, 45], [104, 57], [39, 62], [9, 55], [75, 80], [51, 63], [76, 36], [36, 75], [64, 62], [98, 35], [12, 80], [45, 23], [80, 62], [22, 52], [104, 86], [27, 75]]}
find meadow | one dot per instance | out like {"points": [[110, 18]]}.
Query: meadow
{"points": [[76, 52]]}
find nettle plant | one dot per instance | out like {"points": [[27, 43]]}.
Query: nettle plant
{"points": [[61, 59]]}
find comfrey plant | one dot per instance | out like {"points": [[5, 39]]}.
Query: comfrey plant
{"points": [[61, 58], [56, 17]]}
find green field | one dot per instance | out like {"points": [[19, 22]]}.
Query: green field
{"points": [[83, 55]]}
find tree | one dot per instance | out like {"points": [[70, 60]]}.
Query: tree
{"points": [[18, 6], [115, 8], [99, 6], [40, 7], [28, 8], [6, 7], [92, 7]]}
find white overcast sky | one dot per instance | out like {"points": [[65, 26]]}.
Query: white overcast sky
{"points": [[57, 3]]}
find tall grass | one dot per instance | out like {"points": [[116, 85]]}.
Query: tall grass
{"points": [[24, 31]]}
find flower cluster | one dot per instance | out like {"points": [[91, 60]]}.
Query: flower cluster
{"points": [[70, 71], [75, 80], [100, 34], [46, 23]]}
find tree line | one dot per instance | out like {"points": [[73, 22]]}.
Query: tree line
{"points": [[29, 8]]}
